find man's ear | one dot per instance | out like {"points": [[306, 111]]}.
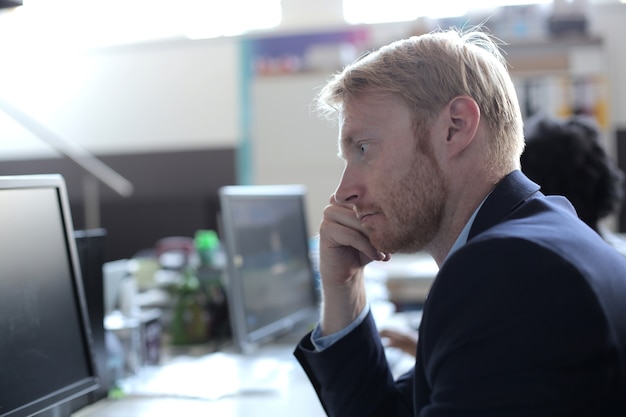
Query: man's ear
{"points": [[463, 120]]}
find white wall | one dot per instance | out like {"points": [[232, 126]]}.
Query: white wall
{"points": [[290, 143], [150, 97]]}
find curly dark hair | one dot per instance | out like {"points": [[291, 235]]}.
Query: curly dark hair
{"points": [[565, 157]]}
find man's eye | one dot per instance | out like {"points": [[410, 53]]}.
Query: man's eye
{"points": [[363, 147]]}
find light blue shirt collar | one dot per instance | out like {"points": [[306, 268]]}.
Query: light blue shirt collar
{"points": [[462, 238]]}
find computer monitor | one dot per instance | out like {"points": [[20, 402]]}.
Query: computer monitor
{"points": [[271, 284], [45, 341]]}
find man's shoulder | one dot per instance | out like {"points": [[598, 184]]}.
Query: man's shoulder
{"points": [[548, 251], [540, 229]]}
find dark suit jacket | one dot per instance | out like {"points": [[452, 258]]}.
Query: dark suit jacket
{"points": [[527, 319]]}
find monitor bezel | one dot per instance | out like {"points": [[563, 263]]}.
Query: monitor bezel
{"points": [[248, 341], [89, 383]]}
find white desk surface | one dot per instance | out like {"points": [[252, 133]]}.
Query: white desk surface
{"points": [[293, 397]]}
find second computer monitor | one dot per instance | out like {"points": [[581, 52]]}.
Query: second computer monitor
{"points": [[271, 283]]}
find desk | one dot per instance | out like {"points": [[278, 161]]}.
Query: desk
{"points": [[408, 278], [296, 397]]}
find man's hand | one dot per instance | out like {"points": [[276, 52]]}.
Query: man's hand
{"points": [[344, 250]]}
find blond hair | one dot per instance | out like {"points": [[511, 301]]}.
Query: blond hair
{"points": [[428, 71]]}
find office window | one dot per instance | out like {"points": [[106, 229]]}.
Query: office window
{"points": [[84, 24], [374, 11], [209, 19]]}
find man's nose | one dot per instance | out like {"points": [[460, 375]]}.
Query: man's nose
{"points": [[347, 190]]}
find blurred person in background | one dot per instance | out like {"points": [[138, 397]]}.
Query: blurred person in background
{"points": [[565, 157]]}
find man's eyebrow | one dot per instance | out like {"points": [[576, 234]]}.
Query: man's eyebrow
{"points": [[346, 140]]}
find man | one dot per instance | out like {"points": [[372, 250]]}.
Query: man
{"points": [[527, 315]]}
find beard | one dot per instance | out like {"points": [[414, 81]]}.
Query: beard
{"points": [[413, 207]]}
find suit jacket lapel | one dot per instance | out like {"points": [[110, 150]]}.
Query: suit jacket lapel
{"points": [[508, 194]]}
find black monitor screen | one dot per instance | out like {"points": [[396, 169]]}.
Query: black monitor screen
{"points": [[44, 343], [271, 283]]}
